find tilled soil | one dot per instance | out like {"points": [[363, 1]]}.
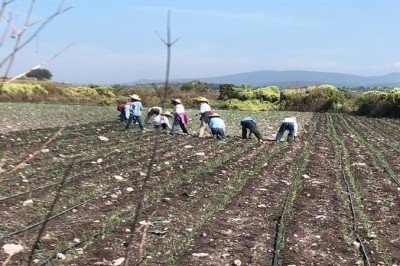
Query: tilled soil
{"points": [[207, 202]]}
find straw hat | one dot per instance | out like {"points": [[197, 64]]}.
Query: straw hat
{"points": [[135, 97], [176, 101], [214, 115], [167, 113], [202, 99]]}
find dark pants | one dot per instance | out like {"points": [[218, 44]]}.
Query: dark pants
{"points": [[134, 119], [122, 117], [219, 132], [163, 126], [286, 126], [252, 127], [177, 121]]}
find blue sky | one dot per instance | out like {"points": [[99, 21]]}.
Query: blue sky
{"points": [[116, 43]]}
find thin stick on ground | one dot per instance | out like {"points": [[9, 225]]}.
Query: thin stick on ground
{"points": [[49, 214]]}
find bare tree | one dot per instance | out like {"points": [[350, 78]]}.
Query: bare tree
{"points": [[149, 173], [169, 44], [19, 37]]}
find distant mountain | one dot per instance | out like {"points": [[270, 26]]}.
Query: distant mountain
{"points": [[295, 78]]}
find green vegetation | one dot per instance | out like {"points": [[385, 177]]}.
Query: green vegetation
{"points": [[314, 98], [40, 74], [384, 103], [322, 98], [196, 86]]}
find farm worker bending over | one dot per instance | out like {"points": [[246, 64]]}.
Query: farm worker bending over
{"points": [[155, 110], [248, 123], [204, 112], [162, 120], [290, 124], [121, 107], [180, 117], [134, 112], [217, 126]]}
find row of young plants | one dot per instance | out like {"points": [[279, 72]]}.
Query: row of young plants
{"points": [[38, 175], [380, 157], [291, 195], [175, 183], [79, 193], [119, 211], [220, 197], [373, 132], [361, 187], [198, 185]]}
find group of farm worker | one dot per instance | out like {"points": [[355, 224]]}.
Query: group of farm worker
{"points": [[130, 112]]}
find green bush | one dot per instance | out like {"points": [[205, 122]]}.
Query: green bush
{"points": [[196, 86], [227, 91], [269, 94], [16, 91], [384, 103], [245, 94], [249, 105], [314, 99]]}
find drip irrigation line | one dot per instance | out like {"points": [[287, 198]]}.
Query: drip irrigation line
{"points": [[353, 214], [51, 217], [279, 226], [281, 219]]}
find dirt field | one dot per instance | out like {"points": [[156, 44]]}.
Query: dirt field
{"points": [[330, 198]]}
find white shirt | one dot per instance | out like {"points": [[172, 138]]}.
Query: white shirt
{"points": [[204, 107], [179, 109], [292, 120], [161, 119]]}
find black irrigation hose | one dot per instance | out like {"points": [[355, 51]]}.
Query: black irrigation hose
{"points": [[279, 226], [353, 214], [52, 217]]}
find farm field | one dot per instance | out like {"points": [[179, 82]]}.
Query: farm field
{"points": [[330, 198]]}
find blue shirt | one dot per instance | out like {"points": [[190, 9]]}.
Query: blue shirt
{"points": [[135, 109], [217, 122]]}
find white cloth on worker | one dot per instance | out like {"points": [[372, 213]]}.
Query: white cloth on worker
{"points": [[204, 107], [179, 109], [291, 120], [161, 119]]}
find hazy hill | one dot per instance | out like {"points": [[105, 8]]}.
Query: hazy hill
{"points": [[296, 78]]}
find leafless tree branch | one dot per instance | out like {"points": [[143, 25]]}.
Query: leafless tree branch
{"points": [[167, 43], [18, 35], [34, 34], [42, 64]]}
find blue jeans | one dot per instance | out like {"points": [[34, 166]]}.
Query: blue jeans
{"points": [[134, 119], [177, 122], [219, 132], [286, 126]]}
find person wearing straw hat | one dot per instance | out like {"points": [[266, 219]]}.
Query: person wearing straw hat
{"points": [[162, 120], [217, 126], [155, 110], [180, 117], [289, 124], [204, 112], [248, 123], [133, 114]]}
